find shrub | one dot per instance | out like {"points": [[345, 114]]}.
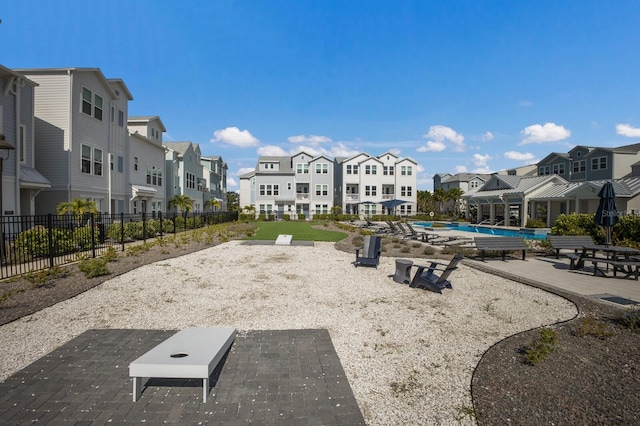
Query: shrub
{"points": [[589, 326], [111, 254], [286, 217], [630, 320], [35, 242], [94, 267], [301, 216], [536, 223], [539, 349]]}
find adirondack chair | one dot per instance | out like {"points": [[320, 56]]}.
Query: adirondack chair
{"points": [[370, 251], [435, 276]]}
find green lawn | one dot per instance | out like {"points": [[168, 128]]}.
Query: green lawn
{"points": [[301, 231]]}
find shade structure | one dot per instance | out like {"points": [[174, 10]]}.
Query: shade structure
{"points": [[607, 213], [392, 204]]}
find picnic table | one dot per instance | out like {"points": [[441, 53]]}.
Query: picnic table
{"points": [[618, 257]]}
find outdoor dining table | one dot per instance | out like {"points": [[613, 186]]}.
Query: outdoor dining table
{"points": [[617, 256]]}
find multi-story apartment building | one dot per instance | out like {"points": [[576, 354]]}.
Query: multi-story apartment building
{"points": [[21, 181], [214, 171], [184, 173], [308, 185], [147, 165], [364, 183], [77, 127]]}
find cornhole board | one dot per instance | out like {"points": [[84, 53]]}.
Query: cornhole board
{"points": [[192, 353], [284, 240]]}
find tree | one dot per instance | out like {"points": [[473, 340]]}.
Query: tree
{"points": [[182, 203], [440, 196], [233, 201], [336, 210], [213, 204], [454, 194], [424, 200], [78, 207]]}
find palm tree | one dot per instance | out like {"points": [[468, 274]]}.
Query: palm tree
{"points": [[78, 207], [440, 196], [213, 204], [182, 203], [424, 199], [250, 209], [454, 194]]}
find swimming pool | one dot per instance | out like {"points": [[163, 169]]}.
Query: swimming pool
{"points": [[531, 234]]}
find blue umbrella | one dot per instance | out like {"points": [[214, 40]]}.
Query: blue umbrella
{"points": [[607, 213]]}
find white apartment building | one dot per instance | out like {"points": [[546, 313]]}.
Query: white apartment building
{"points": [[184, 173], [364, 183], [147, 165], [303, 184]]}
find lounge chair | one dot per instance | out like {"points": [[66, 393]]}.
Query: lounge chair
{"points": [[370, 250], [435, 277]]}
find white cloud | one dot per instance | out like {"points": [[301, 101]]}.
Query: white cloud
{"points": [[395, 151], [487, 136], [481, 160], [519, 156], [461, 169], [236, 137], [549, 132], [627, 130], [244, 170], [440, 134], [432, 146], [231, 182], [420, 168], [271, 151], [525, 103], [311, 139]]}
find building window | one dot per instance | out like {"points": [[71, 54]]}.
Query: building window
{"points": [[111, 165], [190, 180], [558, 169], [91, 162], [120, 118], [91, 104], [120, 164], [289, 186], [322, 169], [371, 191], [599, 163], [322, 209], [262, 189], [349, 169], [135, 163], [322, 190], [387, 170], [113, 114], [544, 170], [302, 168], [579, 166], [370, 170], [276, 189]]}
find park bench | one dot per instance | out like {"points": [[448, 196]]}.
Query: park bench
{"points": [[501, 244], [570, 242]]}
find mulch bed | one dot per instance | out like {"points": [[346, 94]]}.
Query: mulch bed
{"points": [[594, 378]]}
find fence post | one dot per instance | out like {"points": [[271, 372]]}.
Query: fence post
{"points": [[122, 230], [144, 227], [92, 222], [50, 239]]}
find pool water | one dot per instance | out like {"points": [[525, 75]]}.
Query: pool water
{"points": [[490, 231]]}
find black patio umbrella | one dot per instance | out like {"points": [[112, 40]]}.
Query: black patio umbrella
{"points": [[392, 204], [607, 213]]}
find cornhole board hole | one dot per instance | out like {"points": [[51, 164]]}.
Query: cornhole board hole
{"points": [[284, 240], [192, 353]]}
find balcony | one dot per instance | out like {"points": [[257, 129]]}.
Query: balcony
{"points": [[302, 196], [388, 197], [352, 198]]}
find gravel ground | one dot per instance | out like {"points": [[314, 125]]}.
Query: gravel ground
{"points": [[412, 357], [409, 354]]}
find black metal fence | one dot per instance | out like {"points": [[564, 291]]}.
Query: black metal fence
{"points": [[32, 243]]}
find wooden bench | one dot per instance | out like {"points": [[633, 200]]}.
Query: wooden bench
{"points": [[192, 353], [502, 244], [569, 242]]}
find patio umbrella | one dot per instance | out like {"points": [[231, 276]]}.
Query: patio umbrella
{"points": [[607, 213], [392, 204]]}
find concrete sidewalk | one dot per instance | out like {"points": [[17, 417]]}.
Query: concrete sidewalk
{"points": [[547, 271]]}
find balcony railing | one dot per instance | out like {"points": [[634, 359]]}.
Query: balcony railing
{"points": [[353, 198], [388, 196]]}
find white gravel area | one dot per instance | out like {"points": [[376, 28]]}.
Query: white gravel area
{"points": [[409, 353]]}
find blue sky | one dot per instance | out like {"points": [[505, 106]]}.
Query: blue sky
{"points": [[475, 86]]}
